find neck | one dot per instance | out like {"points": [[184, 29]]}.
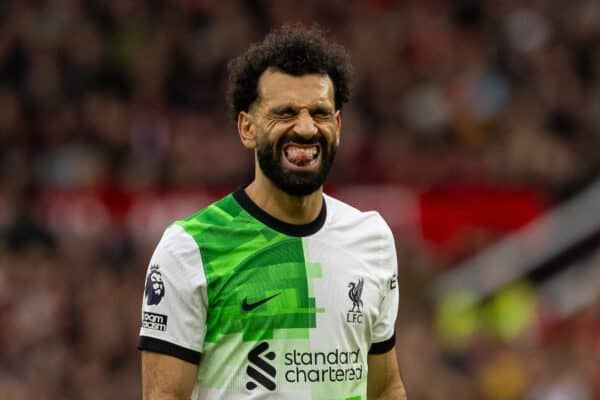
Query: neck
{"points": [[281, 205]]}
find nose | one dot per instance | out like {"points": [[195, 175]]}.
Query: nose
{"points": [[305, 124]]}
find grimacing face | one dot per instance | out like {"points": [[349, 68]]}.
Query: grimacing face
{"points": [[297, 130]]}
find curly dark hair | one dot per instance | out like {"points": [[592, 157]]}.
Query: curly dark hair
{"points": [[296, 50]]}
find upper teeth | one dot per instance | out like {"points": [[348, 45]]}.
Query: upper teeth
{"points": [[296, 151]]}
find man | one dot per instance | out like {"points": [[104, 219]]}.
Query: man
{"points": [[276, 291]]}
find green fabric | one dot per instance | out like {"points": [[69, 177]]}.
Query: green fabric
{"points": [[244, 260]]}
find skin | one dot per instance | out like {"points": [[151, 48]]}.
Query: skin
{"points": [[166, 378], [302, 105], [383, 379], [286, 104]]}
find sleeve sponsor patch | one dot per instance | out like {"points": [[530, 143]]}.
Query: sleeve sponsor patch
{"points": [[157, 322]]}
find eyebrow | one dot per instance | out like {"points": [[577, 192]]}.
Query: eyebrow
{"points": [[293, 109], [284, 109]]}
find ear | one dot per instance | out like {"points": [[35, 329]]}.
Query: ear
{"points": [[338, 126], [246, 129]]}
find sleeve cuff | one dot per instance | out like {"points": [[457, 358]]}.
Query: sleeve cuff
{"points": [[160, 346], [383, 347]]}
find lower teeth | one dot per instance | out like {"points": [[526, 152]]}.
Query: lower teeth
{"points": [[301, 162]]}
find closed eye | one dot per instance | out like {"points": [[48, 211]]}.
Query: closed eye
{"points": [[321, 113], [284, 112]]}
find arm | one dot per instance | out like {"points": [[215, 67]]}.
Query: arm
{"points": [[383, 380], [173, 318], [166, 378]]}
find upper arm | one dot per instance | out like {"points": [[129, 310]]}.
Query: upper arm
{"points": [[166, 378], [174, 304], [383, 379], [173, 317], [387, 274]]}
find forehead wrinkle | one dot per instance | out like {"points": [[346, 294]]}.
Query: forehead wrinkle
{"points": [[295, 87], [311, 106]]}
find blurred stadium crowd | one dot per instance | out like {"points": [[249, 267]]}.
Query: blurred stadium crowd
{"points": [[120, 97]]}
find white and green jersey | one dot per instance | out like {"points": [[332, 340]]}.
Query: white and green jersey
{"points": [[271, 310]]}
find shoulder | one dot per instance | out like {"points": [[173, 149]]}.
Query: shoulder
{"points": [[364, 234], [180, 238], [343, 216], [175, 240], [221, 212]]}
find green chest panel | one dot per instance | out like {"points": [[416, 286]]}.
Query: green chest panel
{"points": [[257, 278]]}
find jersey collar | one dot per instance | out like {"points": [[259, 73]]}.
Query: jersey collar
{"points": [[286, 228]]}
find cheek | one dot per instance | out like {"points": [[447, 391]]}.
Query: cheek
{"points": [[268, 140], [330, 131], [269, 127]]}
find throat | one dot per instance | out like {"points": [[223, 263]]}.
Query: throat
{"points": [[282, 206]]}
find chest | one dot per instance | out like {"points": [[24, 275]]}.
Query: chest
{"points": [[291, 288]]}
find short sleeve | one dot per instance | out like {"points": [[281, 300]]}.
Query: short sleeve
{"points": [[174, 302], [383, 338]]}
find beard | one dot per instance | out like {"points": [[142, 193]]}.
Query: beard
{"points": [[295, 183]]}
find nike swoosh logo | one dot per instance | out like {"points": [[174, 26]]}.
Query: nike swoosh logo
{"points": [[251, 306]]}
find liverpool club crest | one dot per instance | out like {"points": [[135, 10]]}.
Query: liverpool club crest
{"points": [[355, 315]]}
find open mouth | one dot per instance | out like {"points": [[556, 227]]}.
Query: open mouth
{"points": [[301, 156]]}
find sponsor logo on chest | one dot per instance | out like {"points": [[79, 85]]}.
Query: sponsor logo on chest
{"points": [[301, 367]]}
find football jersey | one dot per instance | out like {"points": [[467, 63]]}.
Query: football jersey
{"points": [[271, 310]]}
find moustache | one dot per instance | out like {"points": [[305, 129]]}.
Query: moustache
{"points": [[298, 139]]}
